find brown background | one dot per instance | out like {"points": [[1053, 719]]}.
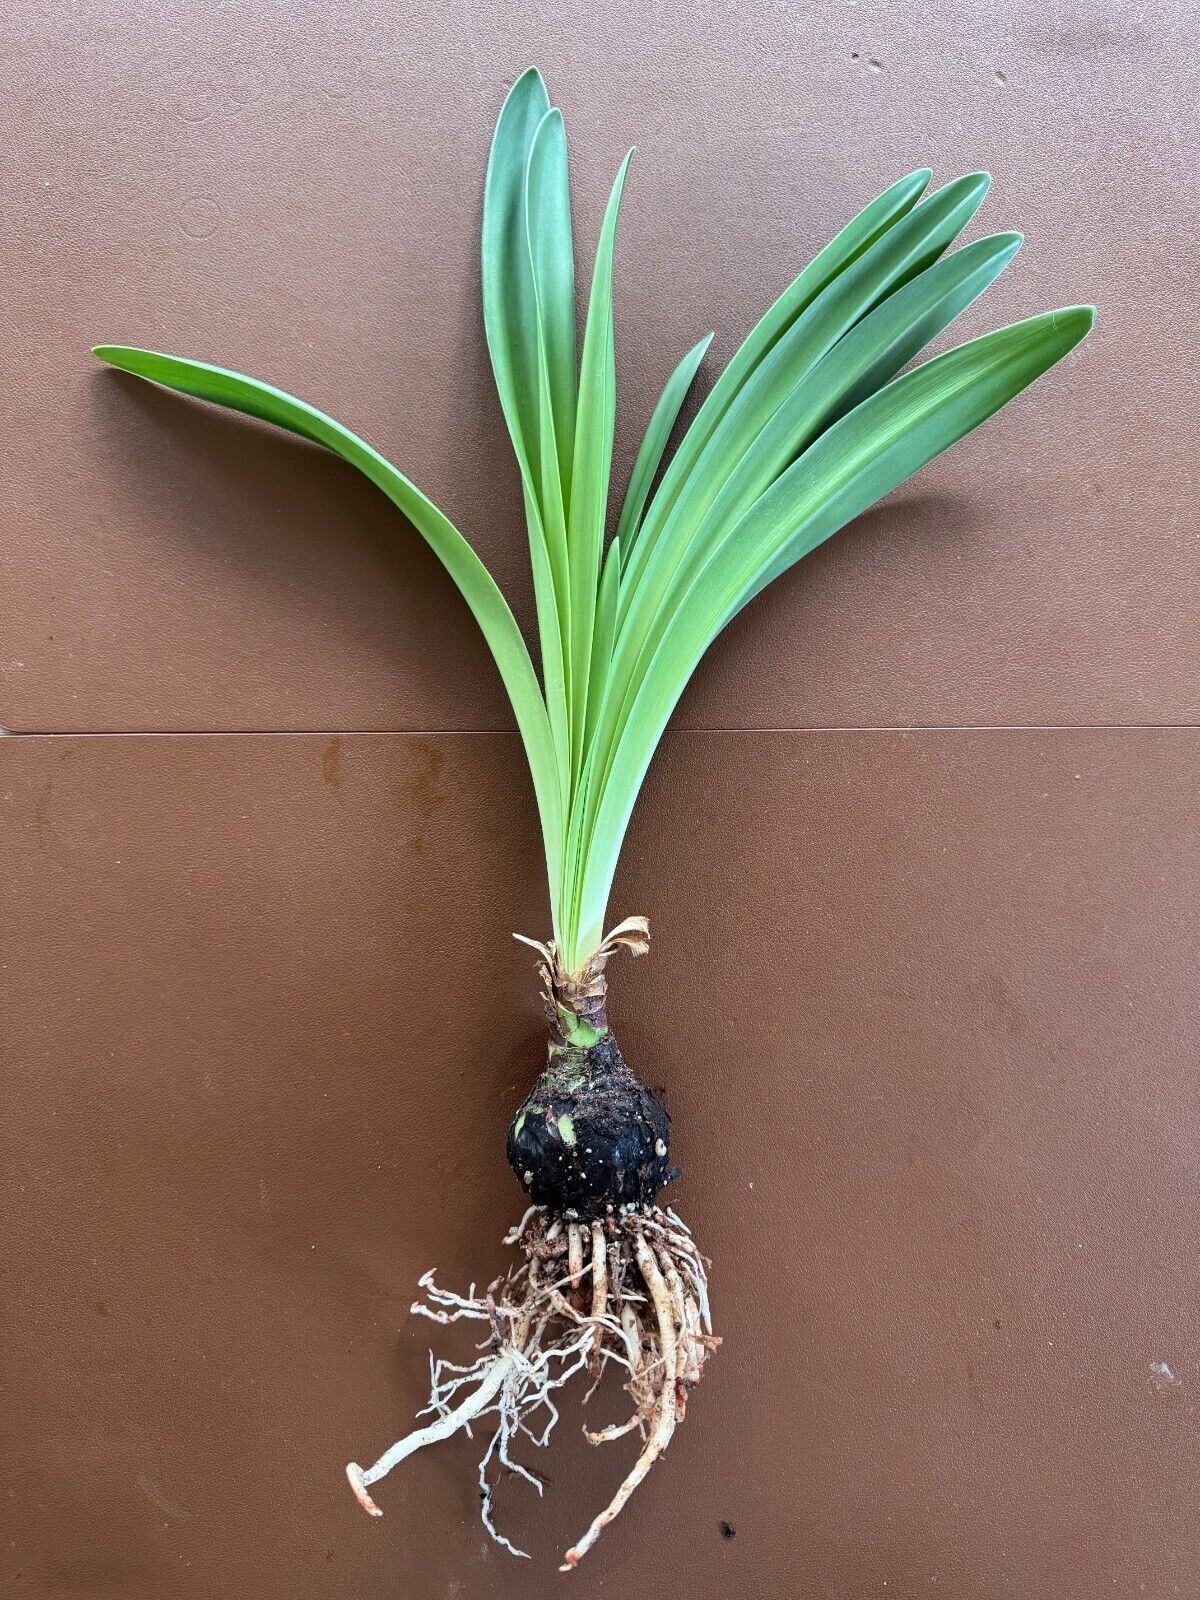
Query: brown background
{"points": [[920, 854]]}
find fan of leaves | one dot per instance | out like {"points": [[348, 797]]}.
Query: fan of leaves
{"points": [[812, 421]]}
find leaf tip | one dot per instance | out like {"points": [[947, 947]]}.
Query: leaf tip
{"points": [[121, 356], [529, 83], [1084, 317], [618, 187], [971, 187], [913, 184], [1069, 325]]}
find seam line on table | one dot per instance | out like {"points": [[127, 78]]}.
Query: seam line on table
{"points": [[393, 733]]}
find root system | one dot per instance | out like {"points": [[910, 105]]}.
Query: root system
{"points": [[629, 1289]]}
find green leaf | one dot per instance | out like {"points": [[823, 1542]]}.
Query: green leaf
{"points": [[552, 260], [893, 434], [592, 464], [509, 297], [861, 458], [528, 362], [604, 632], [812, 420], [474, 581], [552, 639], [905, 249], [872, 352], [899, 329], [871, 223], [548, 242], [654, 444], [762, 426]]}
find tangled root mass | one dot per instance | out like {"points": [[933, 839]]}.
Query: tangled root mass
{"points": [[629, 1288]]}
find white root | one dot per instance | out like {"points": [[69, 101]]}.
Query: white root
{"points": [[683, 1350], [524, 1322], [695, 1346], [647, 1311], [640, 1385], [689, 1259], [599, 1293], [575, 1260], [664, 1425], [615, 1430], [515, 1233], [361, 1478]]}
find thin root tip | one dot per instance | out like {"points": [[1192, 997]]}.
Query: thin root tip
{"points": [[355, 1474]]}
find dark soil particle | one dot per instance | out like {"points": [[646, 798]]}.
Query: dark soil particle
{"points": [[590, 1137], [728, 1530]]}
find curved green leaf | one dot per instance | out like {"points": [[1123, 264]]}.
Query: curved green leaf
{"points": [[521, 361], [548, 242], [654, 442], [475, 583], [807, 425], [857, 461], [552, 260], [510, 317], [904, 250], [762, 426], [871, 223], [592, 463], [865, 358]]}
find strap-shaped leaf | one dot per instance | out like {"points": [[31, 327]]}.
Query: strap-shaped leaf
{"points": [[807, 425], [605, 631], [654, 442], [552, 620], [592, 464], [510, 317], [904, 250], [522, 363], [871, 223], [761, 428], [871, 353], [552, 260], [474, 581], [548, 242], [874, 351], [890, 436], [864, 456]]}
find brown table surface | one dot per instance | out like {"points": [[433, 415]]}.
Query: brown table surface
{"points": [[920, 853]]}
